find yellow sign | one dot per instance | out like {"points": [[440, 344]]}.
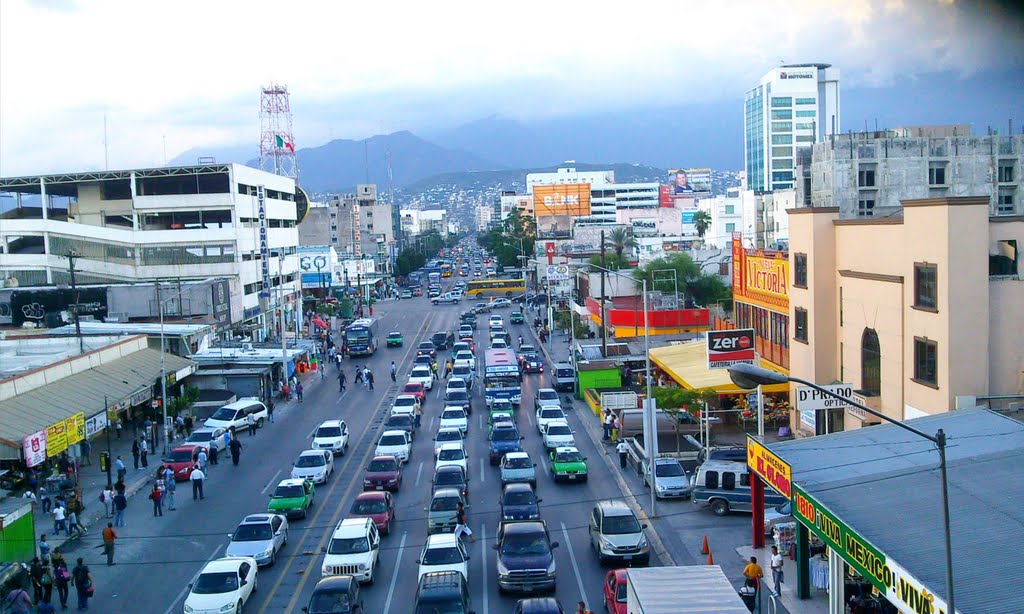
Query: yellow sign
{"points": [[766, 280], [74, 427], [56, 438], [562, 199], [772, 469]]}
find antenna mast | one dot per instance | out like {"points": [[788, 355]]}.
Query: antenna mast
{"points": [[277, 139]]}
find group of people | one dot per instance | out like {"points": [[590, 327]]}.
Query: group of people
{"points": [[363, 376], [46, 571]]}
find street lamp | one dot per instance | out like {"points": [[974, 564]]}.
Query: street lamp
{"points": [[748, 376]]}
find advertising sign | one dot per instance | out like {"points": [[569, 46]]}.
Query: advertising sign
{"points": [[565, 199], [773, 470], [221, 302], [644, 225], [95, 424], [34, 447], [730, 347], [74, 427], [688, 221], [690, 181], [261, 204], [737, 258], [808, 398], [765, 279], [557, 272], [665, 196], [56, 438]]}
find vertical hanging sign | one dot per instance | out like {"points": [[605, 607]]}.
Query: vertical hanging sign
{"points": [[261, 201]]}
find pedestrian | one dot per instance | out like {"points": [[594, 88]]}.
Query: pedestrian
{"points": [[236, 450], [109, 536], [47, 582], [179, 425], [157, 497], [44, 548], [394, 372], [322, 369], [170, 487], [82, 578], [120, 505], [460, 522], [188, 424], [581, 608], [201, 458], [270, 410], [615, 428], [369, 379], [121, 471], [86, 449], [341, 381], [107, 498], [61, 577], [73, 524], [433, 369], [227, 438], [419, 414], [136, 453], [776, 564], [144, 452], [753, 573], [35, 576], [366, 375], [250, 421], [607, 423], [197, 477], [447, 368], [298, 391], [119, 487], [19, 601], [521, 345], [337, 360], [622, 448], [60, 519], [359, 375], [213, 454]]}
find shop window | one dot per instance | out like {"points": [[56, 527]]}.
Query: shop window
{"points": [[800, 324], [800, 264], [1003, 259], [925, 286], [870, 363], [926, 361]]}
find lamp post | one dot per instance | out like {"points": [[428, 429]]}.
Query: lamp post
{"points": [[748, 376]]}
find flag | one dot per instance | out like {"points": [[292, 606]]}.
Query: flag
{"points": [[283, 143]]}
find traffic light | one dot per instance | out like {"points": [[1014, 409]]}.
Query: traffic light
{"points": [[104, 461]]}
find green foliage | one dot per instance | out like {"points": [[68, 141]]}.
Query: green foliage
{"points": [[179, 404], [612, 261], [703, 288], [674, 400], [409, 260], [515, 237], [702, 220], [562, 323], [620, 240]]}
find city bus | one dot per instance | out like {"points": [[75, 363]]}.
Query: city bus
{"points": [[360, 338], [446, 270], [502, 379], [496, 287], [433, 279]]}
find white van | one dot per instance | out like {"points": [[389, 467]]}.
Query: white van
{"points": [[233, 415], [724, 486]]}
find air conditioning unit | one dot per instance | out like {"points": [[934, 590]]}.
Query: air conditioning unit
{"points": [[247, 347]]}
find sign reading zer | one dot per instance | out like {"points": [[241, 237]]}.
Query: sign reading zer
{"points": [[729, 347]]}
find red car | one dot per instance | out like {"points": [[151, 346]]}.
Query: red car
{"points": [[615, 591], [377, 506], [472, 344], [383, 473], [182, 459], [416, 389]]}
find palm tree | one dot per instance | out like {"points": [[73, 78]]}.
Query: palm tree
{"points": [[702, 220], [620, 239]]}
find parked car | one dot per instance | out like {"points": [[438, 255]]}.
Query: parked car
{"points": [[331, 435], [354, 550], [234, 415], [616, 534], [383, 473], [670, 479], [181, 460], [222, 585], [335, 595], [377, 506], [519, 502], [518, 467], [292, 497], [259, 536], [314, 465], [443, 552], [207, 438]]}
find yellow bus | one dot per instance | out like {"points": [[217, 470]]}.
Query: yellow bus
{"points": [[496, 287], [446, 270]]}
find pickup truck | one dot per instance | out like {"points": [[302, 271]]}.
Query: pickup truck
{"points": [[686, 449], [447, 297]]}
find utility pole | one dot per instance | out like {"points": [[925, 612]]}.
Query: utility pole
{"points": [[74, 289], [604, 322]]}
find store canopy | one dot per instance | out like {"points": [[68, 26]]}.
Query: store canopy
{"points": [[884, 484], [35, 410], [687, 364]]}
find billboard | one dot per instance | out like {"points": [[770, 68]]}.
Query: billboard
{"points": [[565, 199], [729, 347], [690, 181]]}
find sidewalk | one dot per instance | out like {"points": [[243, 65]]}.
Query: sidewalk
{"points": [[817, 604]]}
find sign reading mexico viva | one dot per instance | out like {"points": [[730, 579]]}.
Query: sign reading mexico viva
{"points": [[772, 469]]}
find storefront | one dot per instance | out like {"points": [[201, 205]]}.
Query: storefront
{"points": [[760, 292]]}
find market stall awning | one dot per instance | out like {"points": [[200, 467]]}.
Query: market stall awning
{"points": [[687, 364], [35, 410]]}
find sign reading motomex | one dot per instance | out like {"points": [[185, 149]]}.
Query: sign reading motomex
{"points": [[729, 347]]}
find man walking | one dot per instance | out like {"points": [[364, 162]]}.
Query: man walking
{"points": [[298, 391], [197, 478], [136, 452], [144, 452], [108, 500], [753, 573], [250, 421], [236, 451], [157, 497], [622, 448], [270, 410], [121, 470], [394, 372], [369, 379], [169, 487], [776, 564], [201, 458], [120, 505], [366, 375], [447, 368], [460, 522], [607, 425], [359, 375], [60, 519], [109, 535], [341, 380]]}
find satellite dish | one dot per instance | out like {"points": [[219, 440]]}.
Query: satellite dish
{"points": [[301, 204]]}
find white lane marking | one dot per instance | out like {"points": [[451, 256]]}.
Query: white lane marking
{"points": [[394, 576], [483, 562], [480, 421], [529, 415], [419, 473], [432, 422], [270, 483], [544, 461], [342, 396], [184, 591], [313, 432], [572, 558], [483, 474]]}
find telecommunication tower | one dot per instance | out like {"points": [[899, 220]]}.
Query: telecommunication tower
{"points": [[277, 141]]}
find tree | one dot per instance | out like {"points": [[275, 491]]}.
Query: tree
{"points": [[704, 289], [514, 238], [702, 220], [612, 262], [620, 239]]}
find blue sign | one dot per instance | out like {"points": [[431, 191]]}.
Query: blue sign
{"points": [[688, 216]]}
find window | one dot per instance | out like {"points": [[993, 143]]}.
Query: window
{"points": [[806, 101], [723, 269], [866, 176], [784, 101], [782, 139], [800, 264], [730, 227], [1005, 171], [782, 163], [782, 114], [800, 324], [728, 480], [937, 173], [806, 113], [782, 126], [711, 480], [782, 176], [866, 207], [730, 209], [782, 152], [1003, 259], [925, 286], [805, 125], [870, 363], [1004, 204], [926, 356], [807, 138]]}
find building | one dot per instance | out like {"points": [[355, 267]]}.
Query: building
{"points": [[791, 107], [869, 174], [145, 225], [919, 312], [421, 221], [510, 201], [606, 197], [483, 216], [357, 225], [727, 216]]}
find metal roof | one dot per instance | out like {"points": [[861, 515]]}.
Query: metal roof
{"points": [[884, 483], [133, 328], [41, 407], [692, 589]]}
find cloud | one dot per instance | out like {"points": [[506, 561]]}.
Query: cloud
{"points": [[192, 70]]}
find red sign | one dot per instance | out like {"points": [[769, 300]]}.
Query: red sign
{"points": [[665, 197], [549, 251], [728, 347]]}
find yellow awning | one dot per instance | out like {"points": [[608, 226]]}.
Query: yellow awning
{"points": [[687, 364]]}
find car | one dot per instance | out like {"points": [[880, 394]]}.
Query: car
{"points": [[498, 343], [774, 516], [525, 559], [422, 359], [568, 464], [443, 340], [445, 591], [519, 502], [468, 317], [292, 497], [461, 369], [377, 506], [335, 595], [395, 339], [259, 536], [454, 417], [456, 384], [222, 585], [442, 508], [670, 479], [331, 435], [526, 348], [459, 346], [518, 467], [234, 415], [452, 454], [434, 293], [354, 550], [482, 308], [451, 476], [406, 404], [466, 355], [459, 398], [416, 389], [402, 422], [503, 439], [547, 397], [532, 363], [447, 297], [422, 375], [428, 348], [417, 291], [314, 465], [447, 435], [495, 319], [469, 341], [499, 419], [548, 414], [466, 330], [501, 303], [207, 438], [443, 552], [558, 434], [516, 318], [181, 460], [405, 294], [615, 592], [616, 534], [383, 473], [394, 443]]}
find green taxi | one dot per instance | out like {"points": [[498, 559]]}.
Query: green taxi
{"points": [[502, 405], [395, 339], [516, 318], [568, 464], [292, 497], [498, 416]]}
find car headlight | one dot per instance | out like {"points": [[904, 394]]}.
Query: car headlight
{"points": [[267, 552], [367, 482], [227, 607], [606, 544], [188, 608], [502, 569], [659, 487], [362, 567], [551, 567], [643, 542]]}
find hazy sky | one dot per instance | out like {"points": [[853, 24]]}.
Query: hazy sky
{"points": [[189, 73]]}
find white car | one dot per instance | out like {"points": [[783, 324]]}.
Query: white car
{"points": [[353, 551], [462, 369], [447, 435], [259, 536], [331, 435], [394, 443], [207, 437], [235, 414], [466, 355], [405, 404], [500, 303], [497, 343], [546, 415], [452, 454], [454, 417], [223, 585], [547, 397], [495, 319], [558, 434], [422, 375], [314, 465], [456, 383], [443, 552]]}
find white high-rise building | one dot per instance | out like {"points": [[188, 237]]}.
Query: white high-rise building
{"points": [[793, 106], [606, 196]]}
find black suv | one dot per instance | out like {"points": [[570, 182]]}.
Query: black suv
{"points": [[525, 560], [442, 591], [443, 340]]}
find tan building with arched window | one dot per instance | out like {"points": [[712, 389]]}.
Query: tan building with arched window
{"points": [[921, 313]]}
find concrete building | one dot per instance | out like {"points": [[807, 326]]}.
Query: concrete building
{"points": [[916, 312], [868, 174], [791, 107], [420, 221], [483, 216], [727, 216], [606, 196], [145, 225], [357, 225], [510, 201]]}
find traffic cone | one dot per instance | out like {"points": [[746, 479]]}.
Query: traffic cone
{"points": [[704, 548], [711, 559]]}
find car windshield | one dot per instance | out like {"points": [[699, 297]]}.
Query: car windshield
{"points": [[311, 460], [453, 414], [532, 358], [353, 545], [369, 506], [524, 545], [200, 437], [421, 372], [547, 395], [443, 504], [551, 413], [400, 420], [216, 582], [252, 533], [328, 431], [413, 388], [461, 346], [559, 429], [449, 478], [180, 456], [426, 345], [329, 602], [223, 414], [405, 402], [462, 372], [458, 395], [288, 491], [394, 335], [451, 454], [442, 556], [440, 605], [569, 457], [392, 440], [501, 405], [620, 525], [449, 436], [668, 470], [521, 497], [521, 462], [385, 464]]}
